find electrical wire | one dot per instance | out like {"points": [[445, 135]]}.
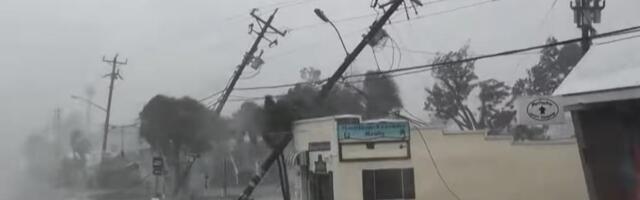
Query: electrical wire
{"points": [[414, 116], [252, 75], [435, 165], [546, 16], [393, 56], [211, 95], [414, 50], [396, 46], [271, 7], [347, 19], [375, 58], [423, 68], [509, 52], [446, 11], [618, 40]]}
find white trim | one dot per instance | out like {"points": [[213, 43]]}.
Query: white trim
{"points": [[602, 96]]}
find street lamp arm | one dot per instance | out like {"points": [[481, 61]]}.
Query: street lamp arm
{"points": [[89, 102], [339, 37]]}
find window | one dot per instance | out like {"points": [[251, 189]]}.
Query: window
{"points": [[387, 184]]}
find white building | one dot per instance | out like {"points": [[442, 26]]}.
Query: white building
{"points": [[390, 165]]}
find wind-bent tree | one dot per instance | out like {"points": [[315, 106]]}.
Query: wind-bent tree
{"points": [[382, 95], [454, 83], [177, 128], [552, 68], [493, 114]]}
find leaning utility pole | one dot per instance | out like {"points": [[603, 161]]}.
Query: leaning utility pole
{"points": [[585, 14], [249, 56], [375, 29], [277, 151], [115, 74]]}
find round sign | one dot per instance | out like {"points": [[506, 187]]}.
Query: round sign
{"points": [[543, 109]]}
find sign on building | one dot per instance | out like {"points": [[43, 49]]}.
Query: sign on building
{"points": [[382, 131], [537, 110]]}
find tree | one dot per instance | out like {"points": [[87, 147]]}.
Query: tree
{"points": [[492, 95], [250, 118], [310, 74], [302, 98], [176, 127], [80, 145], [454, 83], [545, 76], [382, 95], [300, 102]]}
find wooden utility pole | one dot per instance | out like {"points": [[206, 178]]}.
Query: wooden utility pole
{"points": [[115, 74], [249, 57], [375, 29], [277, 151]]}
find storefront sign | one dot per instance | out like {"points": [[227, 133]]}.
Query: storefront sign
{"points": [[385, 131]]}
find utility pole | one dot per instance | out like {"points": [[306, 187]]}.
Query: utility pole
{"points": [[277, 151], [115, 74], [249, 57], [375, 29], [585, 14]]}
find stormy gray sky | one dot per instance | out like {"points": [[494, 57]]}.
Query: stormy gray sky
{"points": [[50, 50]]}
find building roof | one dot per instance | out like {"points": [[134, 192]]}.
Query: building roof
{"points": [[326, 118], [607, 72]]}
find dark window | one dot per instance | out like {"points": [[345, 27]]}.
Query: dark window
{"points": [[386, 184], [371, 145]]}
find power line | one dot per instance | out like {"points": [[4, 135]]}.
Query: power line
{"points": [[211, 95], [618, 40], [413, 50], [422, 68], [271, 7], [435, 165], [375, 58], [252, 75], [357, 17], [446, 11], [509, 52]]}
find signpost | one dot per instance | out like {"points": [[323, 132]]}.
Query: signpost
{"points": [[381, 131], [539, 110], [158, 166]]}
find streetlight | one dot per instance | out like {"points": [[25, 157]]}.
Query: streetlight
{"points": [[89, 102], [324, 18]]}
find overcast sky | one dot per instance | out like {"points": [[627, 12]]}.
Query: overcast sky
{"points": [[50, 50]]}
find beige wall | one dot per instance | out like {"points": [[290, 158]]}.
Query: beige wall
{"points": [[479, 169]]}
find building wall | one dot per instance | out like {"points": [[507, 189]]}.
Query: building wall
{"points": [[478, 169], [474, 168]]}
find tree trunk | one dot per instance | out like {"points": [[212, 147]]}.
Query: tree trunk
{"points": [[465, 117], [459, 123], [474, 122], [483, 115], [176, 173]]}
